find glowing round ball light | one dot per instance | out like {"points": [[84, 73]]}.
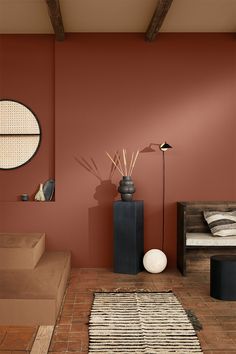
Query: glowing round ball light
{"points": [[155, 261]]}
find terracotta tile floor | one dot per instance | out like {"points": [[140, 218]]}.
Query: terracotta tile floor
{"points": [[71, 332]]}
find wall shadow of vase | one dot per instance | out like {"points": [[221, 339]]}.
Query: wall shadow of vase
{"points": [[100, 226]]}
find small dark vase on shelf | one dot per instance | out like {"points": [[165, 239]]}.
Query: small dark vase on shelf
{"points": [[126, 188]]}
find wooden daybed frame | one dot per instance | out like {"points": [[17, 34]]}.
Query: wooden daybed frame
{"points": [[193, 233]]}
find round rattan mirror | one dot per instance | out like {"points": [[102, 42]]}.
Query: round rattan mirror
{"points": [[20, 134]]}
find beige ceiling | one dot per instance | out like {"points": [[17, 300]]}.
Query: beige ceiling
{"points": [[31, 16]]}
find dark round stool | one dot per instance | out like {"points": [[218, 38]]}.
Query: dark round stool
{"points": [[223, 277]]}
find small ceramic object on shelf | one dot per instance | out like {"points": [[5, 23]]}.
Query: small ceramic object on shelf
{"points": [[48, 189], [39, 196], [24, 197]]}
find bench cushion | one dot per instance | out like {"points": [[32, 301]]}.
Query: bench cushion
{"points": [[206, 239], [221, 223]]}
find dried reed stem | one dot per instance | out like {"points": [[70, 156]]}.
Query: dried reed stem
{"points": [[125, 168], [125, 164], [119, 163], [114, 163], [135, 159], [130, 165], [113, 167]]}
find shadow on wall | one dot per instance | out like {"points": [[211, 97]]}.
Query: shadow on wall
{"points": [[100, 217]]}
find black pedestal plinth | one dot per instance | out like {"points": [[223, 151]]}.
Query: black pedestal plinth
{"points": [[128, 237], [223, 277]]}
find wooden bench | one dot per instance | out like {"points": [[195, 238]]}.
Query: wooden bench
{"points": [[195, 244]]}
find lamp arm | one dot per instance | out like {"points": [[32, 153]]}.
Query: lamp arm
{"points": [[155, 144]]}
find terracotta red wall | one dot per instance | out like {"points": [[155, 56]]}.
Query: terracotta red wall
{"points": [[113, 91], [27, 76]]}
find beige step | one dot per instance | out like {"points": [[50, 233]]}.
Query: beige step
{"points": [[21, 250], [34, 296]]}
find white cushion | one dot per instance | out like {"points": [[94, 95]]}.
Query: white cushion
{"points": [[205, 239]]}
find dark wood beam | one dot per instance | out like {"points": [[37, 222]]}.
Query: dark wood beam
{"points": [[56, 19], [157, 19]]}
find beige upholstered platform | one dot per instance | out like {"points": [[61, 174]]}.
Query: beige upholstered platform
{"points": [[206, 239], [21, 251], [33, 296], [32, 282]]}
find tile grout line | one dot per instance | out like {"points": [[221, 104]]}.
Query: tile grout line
{"points": [[42, 340], [3, 338]]}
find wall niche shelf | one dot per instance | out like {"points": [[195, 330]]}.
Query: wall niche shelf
{"points": [[31, 202]]}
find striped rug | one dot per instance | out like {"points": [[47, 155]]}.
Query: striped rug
{"points": [[140, 323]]}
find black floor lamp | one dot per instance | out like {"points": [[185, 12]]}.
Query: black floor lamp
{"points": [[163, 147]]}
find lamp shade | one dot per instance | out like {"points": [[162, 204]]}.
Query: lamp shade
{"points": [[155, 261], [165, 146]]}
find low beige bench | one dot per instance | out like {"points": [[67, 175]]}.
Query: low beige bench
{"points": [[194, 240]]}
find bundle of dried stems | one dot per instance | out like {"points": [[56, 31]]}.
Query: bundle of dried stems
{"points": [[124, 166]]}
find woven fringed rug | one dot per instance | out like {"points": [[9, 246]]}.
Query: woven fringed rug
{"points": [[140, 323]]}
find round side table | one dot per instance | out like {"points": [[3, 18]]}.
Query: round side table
{"points": [[223, 277]]}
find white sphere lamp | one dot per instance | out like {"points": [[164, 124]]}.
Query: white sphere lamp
{"points": [[155, 261]]}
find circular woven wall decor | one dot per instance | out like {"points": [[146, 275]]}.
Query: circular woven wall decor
{"points": [[20, 134]]}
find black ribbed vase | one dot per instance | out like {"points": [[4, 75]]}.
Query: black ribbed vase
{"points": [[126, 189]]}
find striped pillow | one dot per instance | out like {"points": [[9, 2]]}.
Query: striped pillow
{"points": [[221, 223]]}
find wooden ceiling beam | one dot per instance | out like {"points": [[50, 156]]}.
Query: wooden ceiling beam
{"points": [[56, 19], [157, 19]]}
